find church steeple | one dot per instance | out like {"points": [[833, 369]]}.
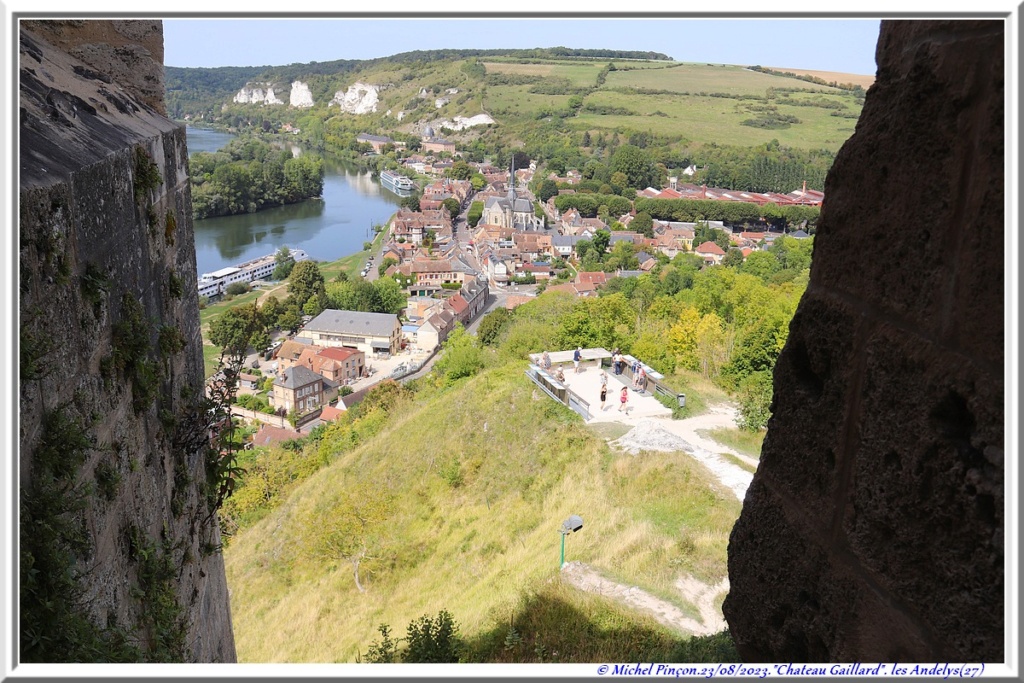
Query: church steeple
{"points": [[512, 183]]}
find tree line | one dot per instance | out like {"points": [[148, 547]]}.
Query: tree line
{"points": [[248, 175]]}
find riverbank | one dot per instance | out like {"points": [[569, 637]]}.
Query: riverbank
{"points": [[351, 265]]}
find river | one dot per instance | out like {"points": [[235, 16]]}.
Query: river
{"points": [[328, 228]]}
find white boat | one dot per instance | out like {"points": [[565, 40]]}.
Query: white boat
{"points": [[395, 182]]}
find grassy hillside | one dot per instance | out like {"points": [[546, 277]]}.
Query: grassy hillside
{"points": [[700, 103], [460, 494]]}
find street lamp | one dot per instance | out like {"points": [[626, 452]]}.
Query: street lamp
{"points": [[571, 525]]}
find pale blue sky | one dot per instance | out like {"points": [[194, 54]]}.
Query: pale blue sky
{"points": [[844, 45]]}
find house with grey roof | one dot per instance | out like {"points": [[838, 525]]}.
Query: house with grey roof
{"points": [[299, 389], [368, 332]]}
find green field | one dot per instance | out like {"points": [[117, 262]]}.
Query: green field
{"points": [[579, 73], [697, 78], [715, 119], [517, 100]]}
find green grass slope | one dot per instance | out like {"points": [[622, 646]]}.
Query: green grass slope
{"points": [[701, 103], [455, 504]]}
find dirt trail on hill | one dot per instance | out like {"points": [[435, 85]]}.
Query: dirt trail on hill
{"points": [[697, 593], [663, 434]]}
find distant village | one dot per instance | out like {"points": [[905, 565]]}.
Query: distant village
{"points": [[450, 271]]}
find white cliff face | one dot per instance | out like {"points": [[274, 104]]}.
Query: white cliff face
{"points": [[257, 93], [462, 122], [360, 98], [300, 96]]}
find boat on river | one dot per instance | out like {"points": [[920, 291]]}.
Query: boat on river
{"points": [[399, 184]]}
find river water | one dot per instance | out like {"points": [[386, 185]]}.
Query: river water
{"points": [[328, 228]]}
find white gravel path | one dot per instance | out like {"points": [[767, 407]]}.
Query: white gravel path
{"points": [[661, 434]]}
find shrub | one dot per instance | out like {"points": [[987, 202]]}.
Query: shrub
{"points": [[433, 640], [755, 401], [236, 288]]}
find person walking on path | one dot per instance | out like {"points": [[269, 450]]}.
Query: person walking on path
{"points": [[623, 398], [576, 357], [604, 395]]}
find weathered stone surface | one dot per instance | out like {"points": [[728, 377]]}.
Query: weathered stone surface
{"points": [[96, 238], [818, 372], [895, 355], [808, 603], [128, 52], [925, 502]]}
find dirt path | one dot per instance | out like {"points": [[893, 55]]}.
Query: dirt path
{"points": [[697, 593], [662, 434]]}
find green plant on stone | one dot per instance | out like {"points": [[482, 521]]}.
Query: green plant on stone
{"points": [[95, 284], [146, 175], [55, 625], [107, 480], [174, 286], [170, 225]]}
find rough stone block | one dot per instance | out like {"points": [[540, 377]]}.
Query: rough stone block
{"points": [[925, 512], [803, 448], [809, 606]]}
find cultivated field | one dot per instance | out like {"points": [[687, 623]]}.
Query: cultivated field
{"points": [[697, 78], [715, 119], [862, 80]]}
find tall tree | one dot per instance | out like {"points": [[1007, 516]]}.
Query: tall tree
{"points": [[636, 165], [305, 281], [600, 242], [643, 224]]}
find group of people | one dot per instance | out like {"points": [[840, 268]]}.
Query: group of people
{"points": [[623, 395], [618, 364]]}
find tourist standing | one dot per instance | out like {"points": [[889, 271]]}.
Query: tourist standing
{"points": [[545, 361], [576, 357], [623, 398], [604, 395]]}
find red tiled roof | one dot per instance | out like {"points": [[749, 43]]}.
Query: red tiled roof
{"points": [[710, 247], [268, 435], [338, 353], [329, 413], [596, 277], [458, 303]]}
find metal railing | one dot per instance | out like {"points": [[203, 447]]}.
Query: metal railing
{"points": [[559, 391]]}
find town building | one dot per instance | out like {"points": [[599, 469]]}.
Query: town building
{"points": [[299, 389], [369, 332]]}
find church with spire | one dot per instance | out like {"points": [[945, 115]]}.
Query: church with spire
{"points": [[511, 212]]}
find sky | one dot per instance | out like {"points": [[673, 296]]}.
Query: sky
{"points": [[842, 45]]}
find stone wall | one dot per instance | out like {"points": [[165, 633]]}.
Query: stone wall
{"points": [[110, 349], [873, 529], [130, 53]]}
